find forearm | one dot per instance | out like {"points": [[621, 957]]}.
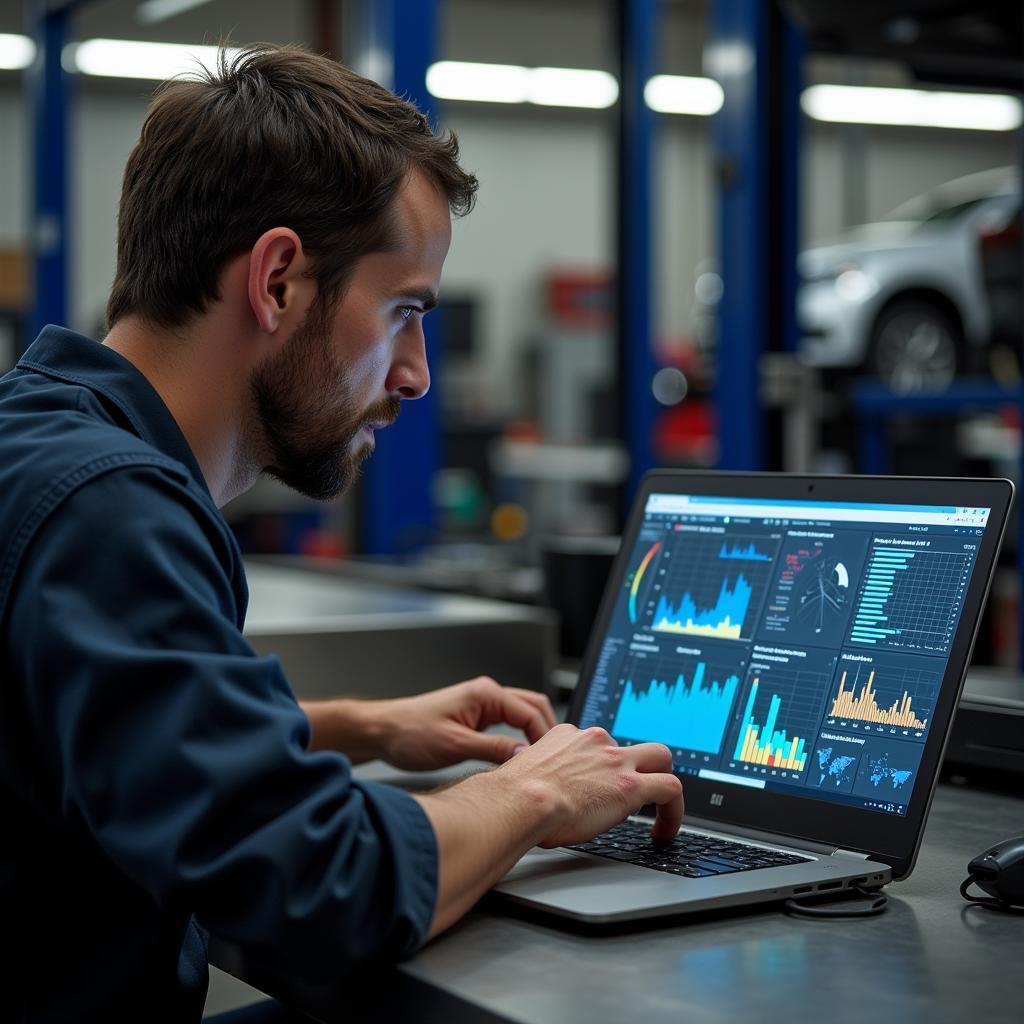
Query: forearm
{"points": [[483, 825], [354, 728]]}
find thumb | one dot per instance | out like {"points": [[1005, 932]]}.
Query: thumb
{"points": [[490, 746]]}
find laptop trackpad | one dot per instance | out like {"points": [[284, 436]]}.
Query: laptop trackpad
{"points": [[558, 878]]}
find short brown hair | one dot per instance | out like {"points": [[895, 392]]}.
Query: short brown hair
{"points": [[274, 136]]}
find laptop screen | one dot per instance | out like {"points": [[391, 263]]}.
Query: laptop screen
{"points": [[795, 646]]}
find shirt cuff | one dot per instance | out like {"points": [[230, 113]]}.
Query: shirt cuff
{"points": [[415, 852]]}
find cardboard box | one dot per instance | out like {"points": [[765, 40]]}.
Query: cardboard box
{"points": [[14, 279]]}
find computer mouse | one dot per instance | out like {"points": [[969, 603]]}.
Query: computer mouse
{"points": [[1000, 871]]}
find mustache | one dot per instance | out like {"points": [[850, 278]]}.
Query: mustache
{"points": [[385, 412]]}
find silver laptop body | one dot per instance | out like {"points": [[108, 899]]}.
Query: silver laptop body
{"points": [[800, 644]]}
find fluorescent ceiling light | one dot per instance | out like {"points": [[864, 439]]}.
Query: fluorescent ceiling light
{"points": [[16, 52], [677, 94], [512, 83], [572, 87], [149, 12], [488, 83], [855, 104], [126, 58]]}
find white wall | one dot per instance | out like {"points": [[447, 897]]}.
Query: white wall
{"points": [[545, 192], [898, 164], [13, 170], [105, 132]]}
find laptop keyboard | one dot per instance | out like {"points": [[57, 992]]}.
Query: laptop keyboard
{"points": [[689, 854]]}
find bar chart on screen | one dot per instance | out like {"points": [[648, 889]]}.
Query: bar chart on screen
{"points": [[687, 710], [709, 585], [884, 694], [780, 716], [911, 598]]}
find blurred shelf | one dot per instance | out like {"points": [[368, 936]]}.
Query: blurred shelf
{"points": [[561, 463]]}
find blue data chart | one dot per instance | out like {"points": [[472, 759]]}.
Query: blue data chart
{"points": [[911, 598], [694, 583], [735, 553], [689, 713], [723, 619]]}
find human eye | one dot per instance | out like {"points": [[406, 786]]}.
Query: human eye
{"points": [[406, 312]]}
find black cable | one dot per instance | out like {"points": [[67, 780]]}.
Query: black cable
{"points": [[987, 901], [871, 903]]}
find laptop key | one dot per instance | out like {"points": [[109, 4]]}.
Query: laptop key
{"points": [[715, 867], [689, 855], [693, 871]]}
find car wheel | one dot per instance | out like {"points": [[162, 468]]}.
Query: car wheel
{"points": [[915, 346]]}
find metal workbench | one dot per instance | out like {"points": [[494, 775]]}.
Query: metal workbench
{"points": [[930, 958], [337, 636]]}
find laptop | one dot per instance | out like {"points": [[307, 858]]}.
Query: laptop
{"points": [[800, 644]]}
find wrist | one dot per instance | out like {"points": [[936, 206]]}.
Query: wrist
{"points": [[536, 808], [515, 815], [356, 728], [370, 726]]}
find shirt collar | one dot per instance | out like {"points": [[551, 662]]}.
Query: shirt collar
{"points": [[68, 356]]}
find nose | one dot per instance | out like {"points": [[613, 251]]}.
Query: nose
{"points": [[409, 376]]}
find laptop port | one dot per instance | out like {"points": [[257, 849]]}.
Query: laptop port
{"points": [[802, 888], [829, 885]]}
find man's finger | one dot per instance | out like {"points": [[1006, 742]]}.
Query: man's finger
{"points": [[650, 757], [523, 715], [667, 793], [539, 701], [488, 746]]}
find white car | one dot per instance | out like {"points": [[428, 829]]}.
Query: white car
{"points": [[905, 299]]}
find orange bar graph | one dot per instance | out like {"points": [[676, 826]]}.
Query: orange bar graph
{"points": [[864, 707], [764, 753]]}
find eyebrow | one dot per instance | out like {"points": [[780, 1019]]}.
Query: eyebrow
{"points": [[427, 299]]}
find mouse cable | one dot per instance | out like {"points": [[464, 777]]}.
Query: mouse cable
{"points": [[871, 902], [987, 901]]}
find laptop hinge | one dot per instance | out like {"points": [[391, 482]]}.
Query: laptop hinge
{"points": [[775, 838]]}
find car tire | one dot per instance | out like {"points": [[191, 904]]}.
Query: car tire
{"points": [[916, 346]]}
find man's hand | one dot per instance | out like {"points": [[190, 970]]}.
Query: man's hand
{"points": [[597, 783], [567, 787], [432, 730]]}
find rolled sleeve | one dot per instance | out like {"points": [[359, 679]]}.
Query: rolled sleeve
{"points": [[183, 755]]}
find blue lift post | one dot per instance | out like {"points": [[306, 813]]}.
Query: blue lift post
{"points": [[756, 55], [636, 21], [792, 48], [738, 58], [397, 511], [49, 98]]}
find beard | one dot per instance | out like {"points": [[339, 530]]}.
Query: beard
{"points": [[309, 416]]}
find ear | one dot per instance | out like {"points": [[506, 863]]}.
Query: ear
{"points": [[279, 289]]}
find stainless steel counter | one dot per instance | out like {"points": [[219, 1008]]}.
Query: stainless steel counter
{"points": [[930, 958], [341, 636]]}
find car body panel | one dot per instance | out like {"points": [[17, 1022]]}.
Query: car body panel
{"points": [[846, 285]]}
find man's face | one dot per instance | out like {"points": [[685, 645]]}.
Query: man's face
{"points": [[345, 371]]}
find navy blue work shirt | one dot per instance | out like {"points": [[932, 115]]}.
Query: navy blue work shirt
{"points": [[154, 770]]}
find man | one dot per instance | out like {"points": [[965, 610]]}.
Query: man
{"points": [[282, 230]]}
